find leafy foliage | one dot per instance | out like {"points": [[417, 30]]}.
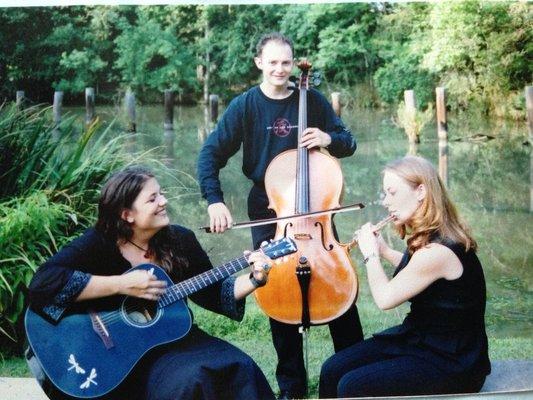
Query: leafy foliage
{"points": [[152, 57], [402, 43], [50, 178], [31, 228], [480, 51], [233, 32], [36, 156]]}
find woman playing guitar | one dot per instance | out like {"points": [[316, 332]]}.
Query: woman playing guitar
{"points": [[133, 229]]}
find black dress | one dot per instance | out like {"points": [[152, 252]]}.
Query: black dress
{"points": [[446, 324], [441, 346], [198, 366]]}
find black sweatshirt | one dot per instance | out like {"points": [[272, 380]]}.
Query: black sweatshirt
{"points": [[265, 127]]}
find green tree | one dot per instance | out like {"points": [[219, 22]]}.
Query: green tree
{"points": [[480, 50], [151, 56], [26, 61], [233, 34], [85, 37], [337, 37], [401, 47]]}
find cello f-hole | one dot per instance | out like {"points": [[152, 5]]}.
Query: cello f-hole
{"points": [[285, 229], [330, 247]]}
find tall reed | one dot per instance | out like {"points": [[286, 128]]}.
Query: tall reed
{"points": [[49, 182]]}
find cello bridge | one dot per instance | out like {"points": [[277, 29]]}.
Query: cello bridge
{"points": [[303, 236]]}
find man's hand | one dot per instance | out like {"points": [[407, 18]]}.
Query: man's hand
{"points": [[220, 217], [314, 137]]}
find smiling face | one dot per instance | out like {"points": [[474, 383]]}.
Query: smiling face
{"points": [[276, 63], [401, 198], [148, 212]]}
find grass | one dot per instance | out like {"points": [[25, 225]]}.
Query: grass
{"points": [[252, 335], [14, 368]]}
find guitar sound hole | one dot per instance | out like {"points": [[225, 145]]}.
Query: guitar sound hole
{"points": [[140, 312]]}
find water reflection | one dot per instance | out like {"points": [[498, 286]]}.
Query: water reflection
{"points": [[489, 181]]}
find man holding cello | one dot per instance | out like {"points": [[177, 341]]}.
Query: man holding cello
{"points": [[264, 120]]}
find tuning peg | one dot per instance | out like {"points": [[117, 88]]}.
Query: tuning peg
{"points": [[316, 78]]}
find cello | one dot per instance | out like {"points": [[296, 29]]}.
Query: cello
{"points": [[300, 181]]}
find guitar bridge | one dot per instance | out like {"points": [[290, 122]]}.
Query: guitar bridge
{"points": [[101, 330]]}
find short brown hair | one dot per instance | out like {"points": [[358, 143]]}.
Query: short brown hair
{"points": [[272, 37]]}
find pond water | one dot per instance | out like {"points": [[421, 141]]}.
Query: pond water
{"points": [[489, 180]]}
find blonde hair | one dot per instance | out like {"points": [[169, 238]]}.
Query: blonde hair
{"points": [[436, 216]]}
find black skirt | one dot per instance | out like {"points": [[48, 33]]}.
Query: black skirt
{"points": [[199, 366]]}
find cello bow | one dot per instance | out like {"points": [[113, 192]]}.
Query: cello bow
{"points": [[259, 222]]}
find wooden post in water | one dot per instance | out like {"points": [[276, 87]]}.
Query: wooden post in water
{"points": [[213, 108], [336, 103], [169, 124], [129, 104], [442, 132], [89, 106], [529, 107], [57, 110], [19, 96]]}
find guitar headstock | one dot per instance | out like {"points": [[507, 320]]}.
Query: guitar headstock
{"points": [[279, 248]]}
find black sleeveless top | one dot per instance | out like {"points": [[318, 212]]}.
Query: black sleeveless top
{"points": [[446, 322]]}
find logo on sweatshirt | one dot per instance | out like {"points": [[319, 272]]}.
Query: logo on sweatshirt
{"points": [[281, 127]]}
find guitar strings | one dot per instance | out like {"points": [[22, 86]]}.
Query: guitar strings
{"points": [[116, 315]]}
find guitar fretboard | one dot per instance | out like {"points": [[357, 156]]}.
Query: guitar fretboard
{"points": [[183, 289]]}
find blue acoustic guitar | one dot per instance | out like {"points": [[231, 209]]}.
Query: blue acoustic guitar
{"points": [[88, 353]]}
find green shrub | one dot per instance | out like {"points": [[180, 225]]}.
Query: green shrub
{"points": [[31, 229], [403, 73], [49, 182]]}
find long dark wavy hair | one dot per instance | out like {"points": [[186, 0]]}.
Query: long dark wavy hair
{"points": [[118, 194]]}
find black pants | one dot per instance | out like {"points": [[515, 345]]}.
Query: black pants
{"points": [[345, 330], [196, 367], [290, 371], [364, 370]]}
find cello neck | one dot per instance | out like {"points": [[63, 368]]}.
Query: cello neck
{"points": [[302, 163]]}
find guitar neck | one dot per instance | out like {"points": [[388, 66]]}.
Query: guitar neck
{"points": [[185, 288]]}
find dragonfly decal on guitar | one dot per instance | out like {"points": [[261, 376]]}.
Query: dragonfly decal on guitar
{"points": [[88, 353]]}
